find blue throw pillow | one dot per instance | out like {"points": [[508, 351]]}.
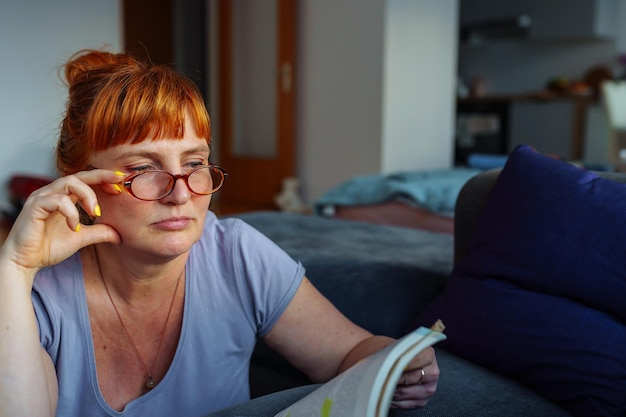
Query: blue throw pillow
{"points": [[541, 296]]}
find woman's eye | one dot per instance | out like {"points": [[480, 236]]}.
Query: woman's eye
{"points": [[140, 168], [195, 164]]}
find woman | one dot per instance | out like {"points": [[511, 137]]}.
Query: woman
{"points": [[151, 305]]}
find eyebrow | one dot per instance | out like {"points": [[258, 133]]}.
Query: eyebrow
{"points": [[157, 155]]}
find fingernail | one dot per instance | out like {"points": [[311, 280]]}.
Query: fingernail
{"points": [[77, 228], [97, 210], [117, 188], [120, 173]]}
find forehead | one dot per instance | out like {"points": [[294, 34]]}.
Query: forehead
{"points": [[155, 149]]}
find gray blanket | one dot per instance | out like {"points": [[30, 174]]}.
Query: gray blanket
{"points": [[394, 271]]}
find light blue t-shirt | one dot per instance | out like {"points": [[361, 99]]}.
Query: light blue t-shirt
{"points": [[238, 284]]}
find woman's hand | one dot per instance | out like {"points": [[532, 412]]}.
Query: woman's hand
{"points": [[48, 229], [418, 383]]}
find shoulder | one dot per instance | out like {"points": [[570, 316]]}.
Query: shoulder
{"points": [[244, 264], [238, 249], [216, 227], [231, 233]]}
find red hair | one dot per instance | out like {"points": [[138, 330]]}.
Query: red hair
{"points": [[115, 99]]}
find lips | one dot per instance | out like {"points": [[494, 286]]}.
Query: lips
{"points": [[173, 223]]}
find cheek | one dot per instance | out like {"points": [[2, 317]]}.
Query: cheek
{"points": [[118, 209], [205, 202], [202, 205]]}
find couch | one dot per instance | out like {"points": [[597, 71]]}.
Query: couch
{"points": [[499, 359]]}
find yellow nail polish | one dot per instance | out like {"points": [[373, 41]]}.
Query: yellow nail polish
{"points": [[97, 210], [120, 173], [117, 188], [77, 228]]}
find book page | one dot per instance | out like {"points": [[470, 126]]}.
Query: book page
{"points": [[357, 391]]}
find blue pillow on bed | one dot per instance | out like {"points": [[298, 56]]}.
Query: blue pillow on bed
{"points": [[541, 295]]}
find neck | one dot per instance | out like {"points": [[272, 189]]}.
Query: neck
{"points": [[136, 283], [143, 314]]}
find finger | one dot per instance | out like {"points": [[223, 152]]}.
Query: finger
{"points": [[412, 377], [411, 396], [79, 187], [99, 233], [421, 375], [424, 390], [44, 206], [408, 404], [101, 176], [422, 360], [70, 187], [107, 180]]}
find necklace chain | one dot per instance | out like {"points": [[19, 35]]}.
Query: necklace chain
{"points": [[150, 383]]}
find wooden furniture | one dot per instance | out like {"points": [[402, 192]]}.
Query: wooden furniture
{"points": [[580, 102], [257, 107]]}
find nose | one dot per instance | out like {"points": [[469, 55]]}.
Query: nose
{"points": [[180, 192]]}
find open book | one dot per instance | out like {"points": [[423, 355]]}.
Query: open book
{"points": [[366, 389]]}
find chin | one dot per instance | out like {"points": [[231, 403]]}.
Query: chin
{"points": [[177, 243], [168, 244]]}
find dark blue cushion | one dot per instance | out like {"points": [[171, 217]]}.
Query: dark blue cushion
{"points": [[541, 296]]}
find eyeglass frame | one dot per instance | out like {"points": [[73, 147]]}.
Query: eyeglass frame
{"points": [[127, 183]]}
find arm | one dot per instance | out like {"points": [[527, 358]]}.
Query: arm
{"points": [[44, 234], [316, 338], [27, 377]]}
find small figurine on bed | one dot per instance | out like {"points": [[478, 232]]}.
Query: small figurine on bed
{"points": [[289, 199]]}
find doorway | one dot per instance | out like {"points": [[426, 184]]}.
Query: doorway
{"points": [[256, 78]]}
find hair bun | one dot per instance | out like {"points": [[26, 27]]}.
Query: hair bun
{"points": [[87, 61]]}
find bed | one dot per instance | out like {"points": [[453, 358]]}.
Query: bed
{"points": [[416, 199]]}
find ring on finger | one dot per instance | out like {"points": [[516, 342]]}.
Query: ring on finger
{"points": [[422, 378]]}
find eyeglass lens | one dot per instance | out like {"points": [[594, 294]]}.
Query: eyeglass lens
{"points": [[154, 185]]}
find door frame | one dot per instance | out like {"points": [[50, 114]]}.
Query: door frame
{"points": [[254, 182]]}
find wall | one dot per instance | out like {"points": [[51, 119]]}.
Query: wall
{"points": [[516, 66], [510, 67], [352, 112], [519, 66], [418, 80], [36, 37], [339, 91], [375, 87]]}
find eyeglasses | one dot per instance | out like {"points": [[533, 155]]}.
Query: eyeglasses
{"points": [[155, 184]]}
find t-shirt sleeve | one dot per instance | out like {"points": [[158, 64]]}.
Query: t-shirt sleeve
{"points": [[58, 300], [44, 314], [271, 276]]}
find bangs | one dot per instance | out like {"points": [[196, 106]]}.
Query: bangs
{"points": [[132, 107]]}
